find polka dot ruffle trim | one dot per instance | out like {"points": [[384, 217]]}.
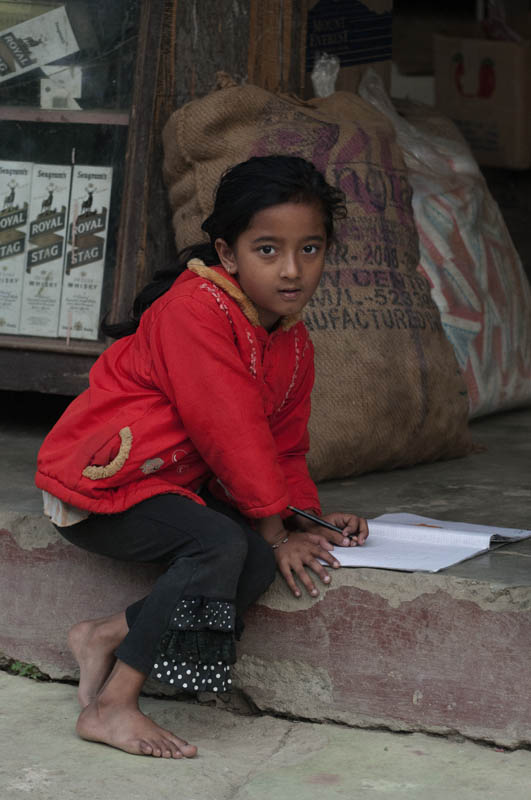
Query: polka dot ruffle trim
{"points": [[198, 647], [190, 677], [199, 614]]}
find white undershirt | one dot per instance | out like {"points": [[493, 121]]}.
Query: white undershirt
{"points": [[62, 514]]}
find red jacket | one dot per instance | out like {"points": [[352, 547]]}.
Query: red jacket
{"points": [[200, 392]]}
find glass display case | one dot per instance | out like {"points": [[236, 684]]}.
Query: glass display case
{"points": [[86, 87], [69, 80]]}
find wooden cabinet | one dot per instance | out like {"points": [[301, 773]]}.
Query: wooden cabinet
{"points": [[101, 108]]}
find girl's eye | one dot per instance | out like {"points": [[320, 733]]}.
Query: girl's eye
{"points": [[310, 249], [266, 249]]}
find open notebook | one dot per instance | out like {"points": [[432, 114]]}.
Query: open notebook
{"points": [[409, 542]]}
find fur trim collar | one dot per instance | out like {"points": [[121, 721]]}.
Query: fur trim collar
{"points": [[231, 287]]}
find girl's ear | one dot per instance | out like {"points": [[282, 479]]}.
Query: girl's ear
{"points": [[226, 256]]}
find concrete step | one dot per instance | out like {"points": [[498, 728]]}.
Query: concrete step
{"points": [[407, 651]]}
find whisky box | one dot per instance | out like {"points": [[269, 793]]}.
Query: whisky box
{"points": [[45, 254], [85, 252], [35, 42], [15, 192]]}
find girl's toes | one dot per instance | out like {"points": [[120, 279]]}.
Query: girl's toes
{"points": [[188, 750], [156, 750], [145, 748], [172, 749]]}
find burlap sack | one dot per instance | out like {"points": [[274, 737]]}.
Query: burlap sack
{"points": [[388, 389], [467, 254]]}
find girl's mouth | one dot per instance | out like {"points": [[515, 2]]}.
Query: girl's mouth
{"points": [[290, 294]]}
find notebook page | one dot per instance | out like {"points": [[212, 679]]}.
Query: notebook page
{"points": [[403, 555], [393, 544], [468, 527], [428, 534]]}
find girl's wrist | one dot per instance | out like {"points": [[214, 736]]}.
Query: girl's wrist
{"points": [[272, 530], [283, 540]]}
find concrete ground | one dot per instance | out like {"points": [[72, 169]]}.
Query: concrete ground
{"points": [[240, 757], [250, 757]]}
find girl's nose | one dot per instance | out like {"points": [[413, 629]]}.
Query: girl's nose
{"points": [[290, 267]]}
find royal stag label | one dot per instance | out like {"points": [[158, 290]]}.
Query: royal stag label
{"points": [[43, 274], [15, 192], [36, 42], [88, 223]]}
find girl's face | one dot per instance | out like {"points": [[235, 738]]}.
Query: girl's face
{"points": [[278, 260]]}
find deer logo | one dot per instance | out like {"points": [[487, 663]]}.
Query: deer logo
{"points": [[46, 205], [30, 42], [86, 205], [9, 199]]}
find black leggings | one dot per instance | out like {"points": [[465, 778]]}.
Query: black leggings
{"points": [[217, 566]]}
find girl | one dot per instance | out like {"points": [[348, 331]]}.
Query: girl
{"points": [[189, 445]]}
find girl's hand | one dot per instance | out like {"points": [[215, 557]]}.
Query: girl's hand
{"points": [[300, 551], [355, 530]]}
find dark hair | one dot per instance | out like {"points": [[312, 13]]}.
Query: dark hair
{"points": [[243, 191]]}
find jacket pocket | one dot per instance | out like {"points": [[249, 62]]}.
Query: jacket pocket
{"points": [[96, 472]]}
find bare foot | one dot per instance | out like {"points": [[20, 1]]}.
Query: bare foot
{"points": [[125, 727], [93, 643]]}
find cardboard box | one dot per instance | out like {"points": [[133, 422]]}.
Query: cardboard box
{"points": [[41, 293], [15, 193], [413, 36], [85, 257], [416, 24], [484, 87], [358, 33]]}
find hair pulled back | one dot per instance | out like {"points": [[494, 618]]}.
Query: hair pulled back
{"points": [[243, 191]]}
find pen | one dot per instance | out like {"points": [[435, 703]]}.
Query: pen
{"points": [[317, 520]]}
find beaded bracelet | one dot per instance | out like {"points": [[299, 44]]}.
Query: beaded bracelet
{"points": [[274, 546]]}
